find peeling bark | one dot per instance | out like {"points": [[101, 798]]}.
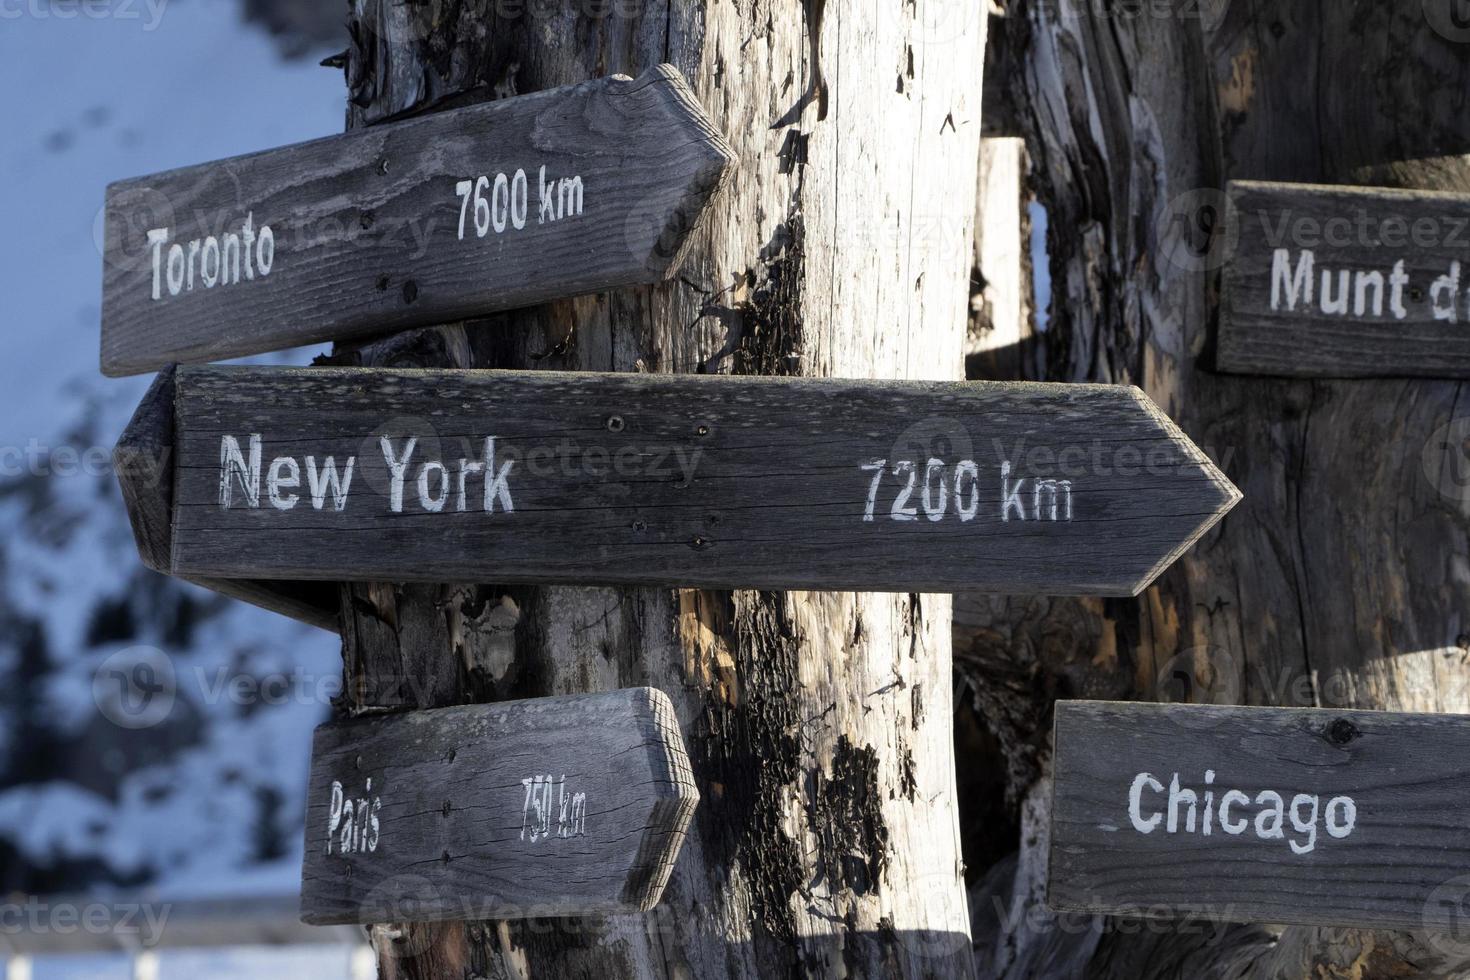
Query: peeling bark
{"points": [[818, 725]]}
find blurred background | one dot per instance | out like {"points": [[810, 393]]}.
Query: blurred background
{"points": [[154, 738]]}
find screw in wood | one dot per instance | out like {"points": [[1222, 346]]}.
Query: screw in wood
{"points": [[1341, 732], [615, 423]]}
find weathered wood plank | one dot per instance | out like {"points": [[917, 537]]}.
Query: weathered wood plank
{"points": [[489, 207], [547, 807], [1344, 282], [142, 461], [1305, 816], [712, 482]]}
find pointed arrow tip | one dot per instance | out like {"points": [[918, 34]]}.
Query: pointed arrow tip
{"points": [[1220, 495], [668, 822], [141, 462], [701, 162]]}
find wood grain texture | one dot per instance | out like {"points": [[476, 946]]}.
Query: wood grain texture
{"points": [[143, 461], [559, 806], [370, 233], [1399, 862], [707, 482], [819, 722], [1336, 581], [1350, 233]]}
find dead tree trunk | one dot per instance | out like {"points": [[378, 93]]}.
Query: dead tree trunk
{"points": [[1335, 582], [818, 725]]}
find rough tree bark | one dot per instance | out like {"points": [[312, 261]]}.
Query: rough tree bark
{"points": [[818, 725], [1339, 581]]}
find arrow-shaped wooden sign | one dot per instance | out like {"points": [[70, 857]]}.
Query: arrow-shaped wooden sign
{"points": [[1307, 816], [1343, 282], [443, 217], [353, 474], [550, 807]]}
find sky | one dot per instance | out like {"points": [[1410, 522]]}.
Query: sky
{"points": [[91, 99], [96, 91]]}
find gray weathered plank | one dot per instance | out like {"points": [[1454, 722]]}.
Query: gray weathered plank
{"points": [[368, 231], [1399, 861], [713, 482], [1364, 316], [142, 461], [547, 807]]}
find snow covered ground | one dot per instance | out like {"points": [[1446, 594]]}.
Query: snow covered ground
{"points": [[207, 799]]}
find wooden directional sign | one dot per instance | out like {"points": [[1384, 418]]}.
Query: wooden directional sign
{"points": [[1315, 817], [144, 464], [395, 475], [1343, 282], [550, 807], [447, 216]]}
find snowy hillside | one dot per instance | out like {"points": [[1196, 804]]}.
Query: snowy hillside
{"points": [[209, 799]]}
